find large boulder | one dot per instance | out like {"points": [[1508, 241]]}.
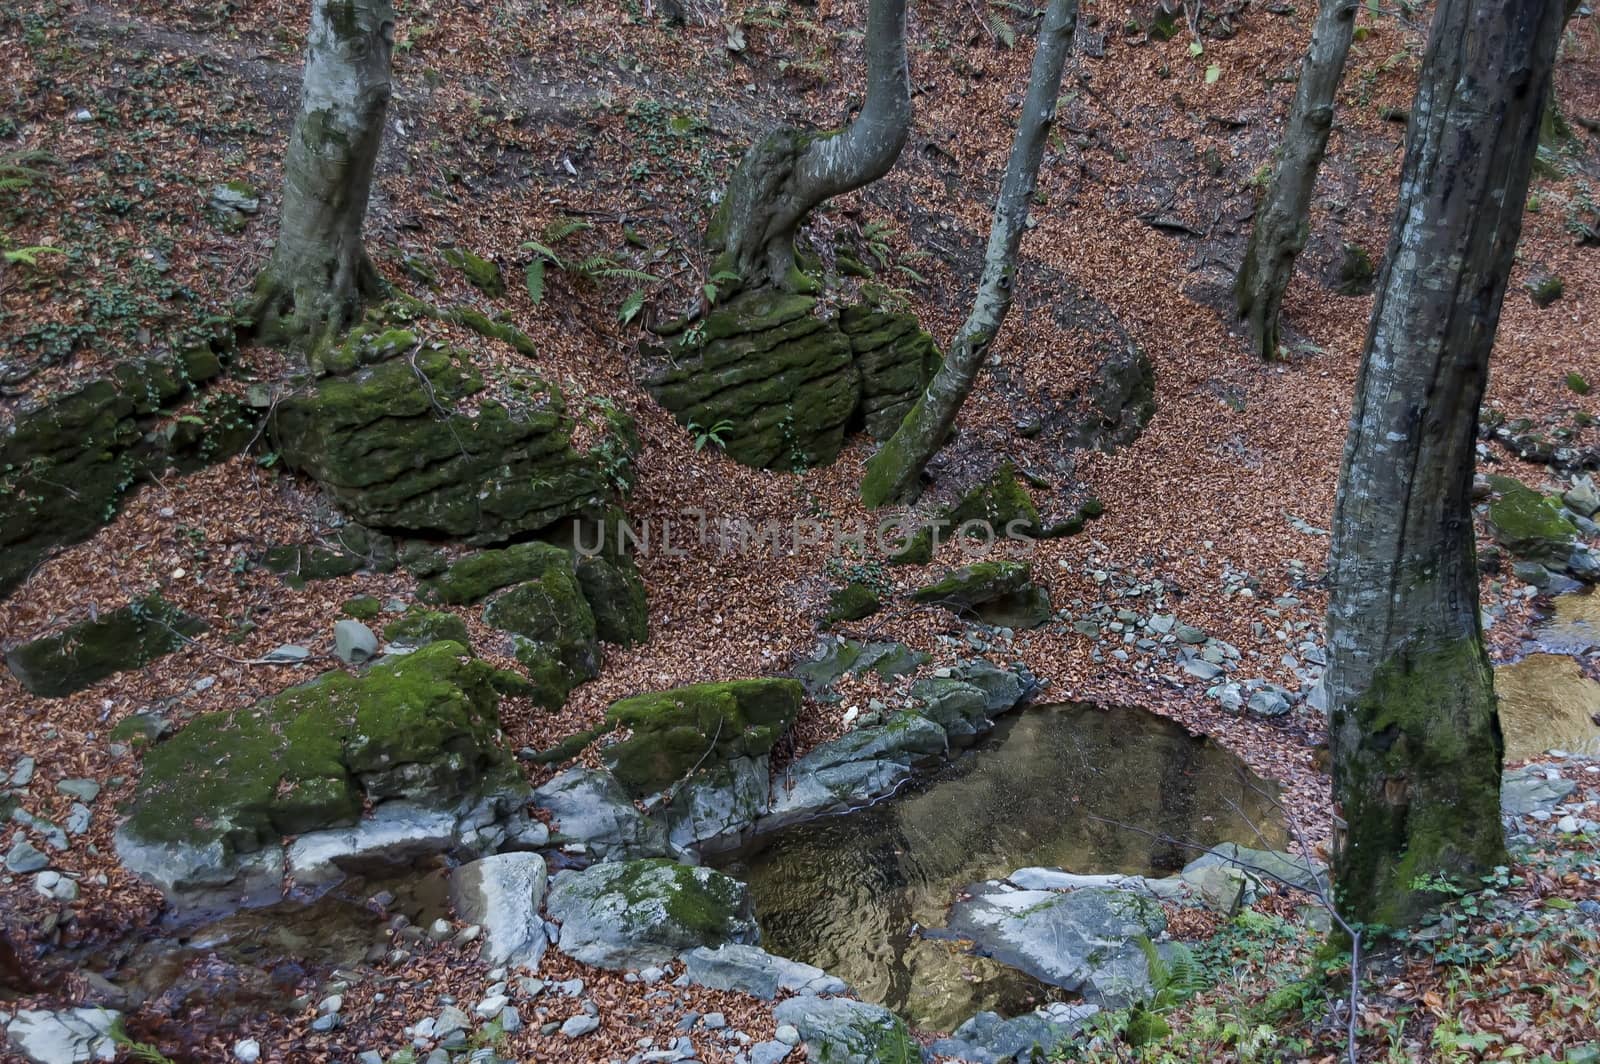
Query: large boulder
{"points": [[502, 894], [616, 595], [1090, 941], [637, 913], [590, 810], [999, 593], [86, 653], [852, 769], [1530, 524], [408, 435], [752, 970], [896, 360], [420, 731], [989, 1039], [779, 377], [673, 732], [71, 1036], [715, 808], [845, 1031]]}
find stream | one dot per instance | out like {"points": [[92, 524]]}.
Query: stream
{"points": [[1074, 786]]}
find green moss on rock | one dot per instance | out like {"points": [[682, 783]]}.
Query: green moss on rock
{"points": [[997, 508], [483, 274], [616, 596], [475, 576], [1530, 524], [851, 603], [673, 731], [557, 641], [352, 549], [1000, 593], [88, 652], [361, 607], [421, 727], [419, 627]]}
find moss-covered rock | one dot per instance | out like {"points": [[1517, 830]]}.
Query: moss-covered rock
{"points": [[474, 577], [674, 731], [778, 374], [556, 638], [413, 442], [616, 596], [422, 728], [88, 652], [996, 508], [851, 603], [361, 607], [419, 627], [628, 914], [67, 463], [352, 549], [895, 359], [999, 593], [1530, 524], [836, 658], [480, 272]]}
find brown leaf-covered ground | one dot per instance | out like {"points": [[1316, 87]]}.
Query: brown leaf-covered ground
{"points": [[509, 117]]}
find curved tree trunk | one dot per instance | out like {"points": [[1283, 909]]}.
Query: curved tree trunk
{"points": [[320, 277], [1415, 735], [894, 473], [790, 172], [1283, 216]]}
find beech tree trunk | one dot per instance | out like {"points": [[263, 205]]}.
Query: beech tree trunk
{"points": [[1283, 217], [790, 172], [894, 474], [320, 277], [1414, 732]]}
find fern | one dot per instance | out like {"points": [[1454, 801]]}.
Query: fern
{"points": [[559, 230], [28, 256], [1003, 33], [534, 275], [631, 306]]}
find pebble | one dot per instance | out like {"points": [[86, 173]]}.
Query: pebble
{"points": [[325, 1023], [247, 1051], [713, 1021], [331, 1003], [788, 1034], [651, 976], [490, 1007], [371, 1056], [287, 652], [571, 988], [78, 818], [580, 1025], [440, 930], [22, 774], [510, 1020]]}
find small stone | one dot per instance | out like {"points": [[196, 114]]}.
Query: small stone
{"points": [[580, 1025], [22, 774], [713, 1021], [440, 930], [510, 1020], [325, 1023], [24, 857], [1569, 825], [490, 1007], [370, 1056], [331, 1003], [354, 642], [287, 652], [84, 790], [235, 196], [651, 976], [1188, 633], [247, 1051]]}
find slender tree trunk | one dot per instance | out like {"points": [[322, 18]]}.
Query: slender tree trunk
{"points": [[893, 474], [320, 277], [790, 172], [1283, 217], [1414, 733]]}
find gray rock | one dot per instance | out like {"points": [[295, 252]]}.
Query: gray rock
{"points": [[1003, 688], [247, 1051], [988, 1039], [1526, 790], [1090, 941], [631, 914], [804, 791], [1268, 866], [714, 809], [78, 818], [24, 857], [22, 772], [1188, 633], [752, 970], [1268, 702], [1201, 670], [397, 834], [580, 1025], [235, 197], [590, 807], [83, 790], [769, 1052], [844, 1031], [1582, 498], [503, 894], [960, 708], [354, 642], [66, 1037], [287, 652]]}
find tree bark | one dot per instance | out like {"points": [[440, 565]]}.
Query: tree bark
{"points": [[790, 172], [1414, 732], [320, 277], [894, 474], [1283, 217]]}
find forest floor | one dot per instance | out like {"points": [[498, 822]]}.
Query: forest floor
{"points": [[509, 118]]}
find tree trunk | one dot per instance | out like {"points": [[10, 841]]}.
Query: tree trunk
{"points": [[1283, 217], [320, 277], [1414, 732], [790, 172], [893, 474]]}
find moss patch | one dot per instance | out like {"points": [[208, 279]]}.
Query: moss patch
{"points": [[88, 652], [1530, 524], [673, 731], [851, 603], [476, 576], [616, 596], [419, 627]]}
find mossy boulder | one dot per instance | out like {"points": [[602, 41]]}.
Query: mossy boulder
{"points": [[475, 576], [214, 800], [835, 658], [481, 273], [555, 633], [88, 652], [616, 596], [851, 603], [764, 362], [1530, 524], [674, 731], [996, 508], [419, 627], [416, 442], [895, 359], [629, 914], [352, 549], [1000, 593], [66, 463]]}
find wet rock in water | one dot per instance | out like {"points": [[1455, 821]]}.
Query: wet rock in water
{"points": [[1089, 941], [673, 731], [989, 1039], [958, 707], [714, 809], [752, 970], [406, 438], [1000, 593], [87, 652], [70, 1036], [353, 642], [591, 809], [847, 1031], [853, 768], [634, 913], [215, 800], [503, 894]]}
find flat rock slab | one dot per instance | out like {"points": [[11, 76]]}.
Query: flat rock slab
{"points": [[989, 1039], [1090, 941], [752, 970], [88, 652], [845, 1031]]}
